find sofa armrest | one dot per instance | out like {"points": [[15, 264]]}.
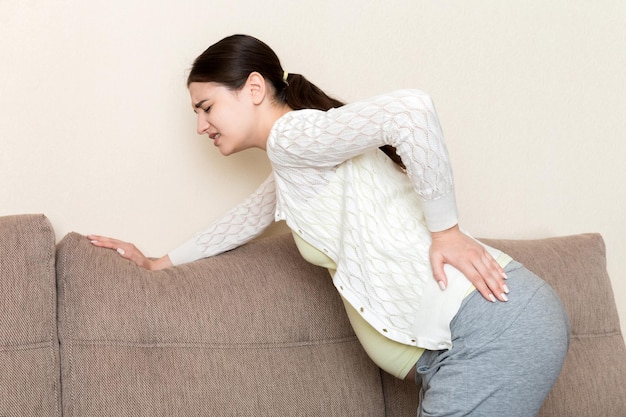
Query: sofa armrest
{"points": [[29, 362]]}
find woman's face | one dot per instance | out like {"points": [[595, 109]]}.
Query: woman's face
{"points": [[228, 117]]}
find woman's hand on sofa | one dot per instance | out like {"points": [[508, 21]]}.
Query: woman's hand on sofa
{"points": [[129, 251]]}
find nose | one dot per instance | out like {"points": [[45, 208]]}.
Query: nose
{"points": [[203, 125]]}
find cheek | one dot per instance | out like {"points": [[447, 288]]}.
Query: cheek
{"points": [[246, 121], [236, 122]]}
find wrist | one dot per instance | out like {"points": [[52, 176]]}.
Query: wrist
{"points": [[158, 264], [446, 232]]}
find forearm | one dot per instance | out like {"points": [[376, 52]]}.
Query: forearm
{"points": [[235, 228]]}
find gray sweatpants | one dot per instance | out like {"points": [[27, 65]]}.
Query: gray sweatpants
{"points": [[505, 356]]}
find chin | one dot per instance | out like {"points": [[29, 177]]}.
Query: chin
{"points": [[227, 151]]}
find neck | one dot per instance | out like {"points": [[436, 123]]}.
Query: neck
{"points": [[274, 113]]}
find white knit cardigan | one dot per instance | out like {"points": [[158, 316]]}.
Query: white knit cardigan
{"points": [[337, 191]]}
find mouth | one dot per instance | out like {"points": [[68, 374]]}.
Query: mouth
{"points": [[215, 136]]}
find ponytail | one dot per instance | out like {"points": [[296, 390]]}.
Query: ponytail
{"points": [[299, 93]]}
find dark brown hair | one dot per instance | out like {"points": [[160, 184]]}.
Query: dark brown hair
{"points": [[231, 60]]}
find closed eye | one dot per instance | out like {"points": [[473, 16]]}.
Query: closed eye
{"points": [[199, 106]]}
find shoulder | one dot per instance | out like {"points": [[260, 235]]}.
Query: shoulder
{"points": [[390, 102], [294, 132], [406, 97], [403, 94], [312, 129]]}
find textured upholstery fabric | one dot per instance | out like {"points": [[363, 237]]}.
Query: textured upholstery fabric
{"points": [[256, 331], [253, 332], [29, 363]]}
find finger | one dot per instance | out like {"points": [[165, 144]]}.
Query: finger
{"points": [[439, 274], [491, 288], [494, 266], [479, 283], [126, 251], [100, 238], [493, 276], [122, 248], [106, 243], [499, 289], [490, 276]]}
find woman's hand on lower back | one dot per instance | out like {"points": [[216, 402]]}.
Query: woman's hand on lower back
{"points": [[453, 247], [129, 251]]}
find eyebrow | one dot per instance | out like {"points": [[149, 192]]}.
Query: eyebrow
{"points": [[199, 104]]}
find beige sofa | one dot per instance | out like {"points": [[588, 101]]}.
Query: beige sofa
{"points": [[253, 332]]}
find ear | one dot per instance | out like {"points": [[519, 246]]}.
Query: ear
{"points": [[256, 87]]}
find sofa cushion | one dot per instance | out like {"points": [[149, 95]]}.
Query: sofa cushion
{"points": [[255, 331], [29, 364]]}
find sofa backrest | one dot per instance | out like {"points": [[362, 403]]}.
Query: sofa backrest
{"points": [[256, 331], [29, 351]]}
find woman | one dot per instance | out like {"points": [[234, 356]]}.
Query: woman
{"points": [[384, 224]]}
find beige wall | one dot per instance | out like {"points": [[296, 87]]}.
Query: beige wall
{"points": [[97, 132]]}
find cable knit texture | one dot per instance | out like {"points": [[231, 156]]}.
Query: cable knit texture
{"points": [[337, 191]]}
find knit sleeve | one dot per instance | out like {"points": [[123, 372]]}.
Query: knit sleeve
{"points": [[234, 228], [405, 119]]}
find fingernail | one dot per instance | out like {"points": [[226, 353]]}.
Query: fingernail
{"points": [[505, 276], [94, 241], [505, 288], [442, 285], [121, 251], [504, 297], [492, 298]]}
